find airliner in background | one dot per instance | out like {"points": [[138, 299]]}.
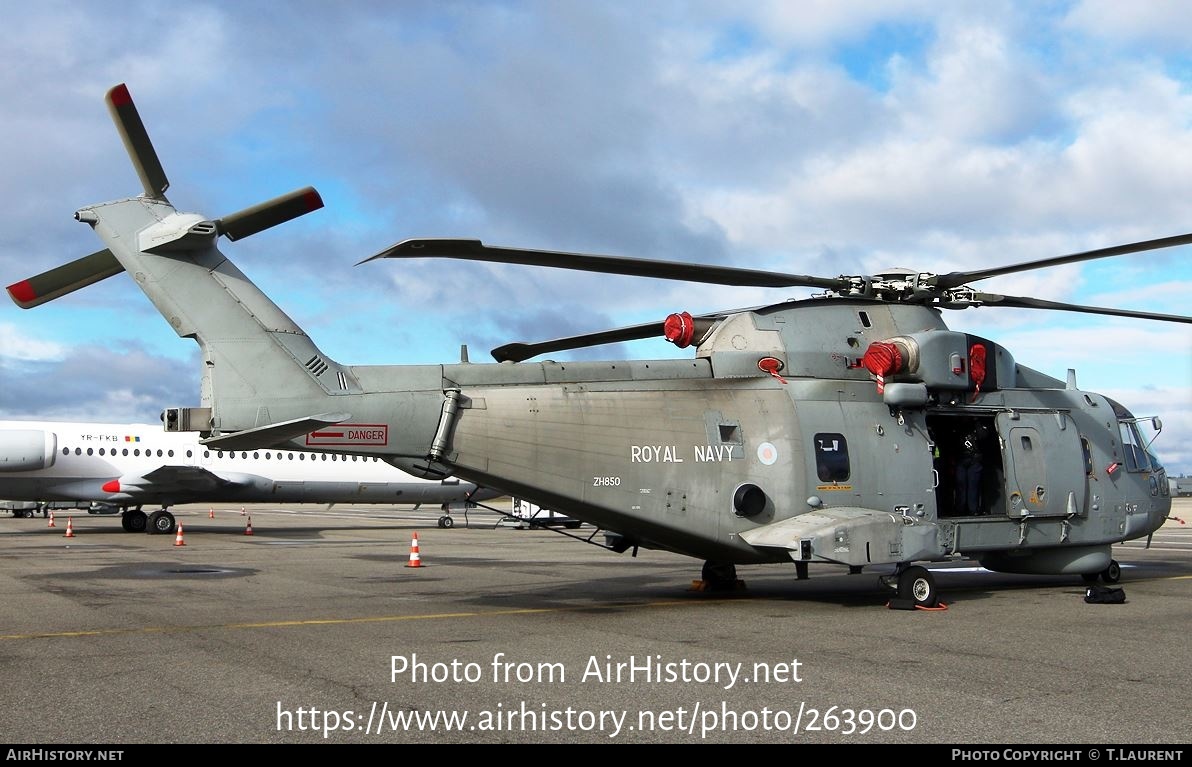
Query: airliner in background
{"points": [[127, 466]]}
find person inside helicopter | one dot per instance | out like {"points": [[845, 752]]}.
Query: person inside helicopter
{"points": [[968, 499]]}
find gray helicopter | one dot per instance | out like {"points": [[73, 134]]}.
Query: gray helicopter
{"points": [[852, 429]]}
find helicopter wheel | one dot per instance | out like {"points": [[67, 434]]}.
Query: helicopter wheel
{"points": [[719, 576], [446, 521], [1113, 573], [917, 585]]}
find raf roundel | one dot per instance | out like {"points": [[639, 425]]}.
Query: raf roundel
{"points": [[767, 453]]}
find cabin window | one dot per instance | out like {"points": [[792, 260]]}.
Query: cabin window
{"points": [[78, 451], [89, 451], [66, 451], [831, 457], [170, 453]]}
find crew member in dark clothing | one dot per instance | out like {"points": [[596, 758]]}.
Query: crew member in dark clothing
{"points": [[968, 499]]}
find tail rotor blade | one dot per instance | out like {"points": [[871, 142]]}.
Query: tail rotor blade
{"points": [[279, 210], [136, 142], [64, 279]]}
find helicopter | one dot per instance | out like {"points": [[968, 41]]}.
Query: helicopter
{"points": [[850, 429]]}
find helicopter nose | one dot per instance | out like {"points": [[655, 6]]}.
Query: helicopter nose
{"points": [[1155, 517]]}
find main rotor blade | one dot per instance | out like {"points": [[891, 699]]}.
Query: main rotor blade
{"points": [[260, 217], [994, 299], [64, 279], [136, 142], [956, 279], [475, 250], [520, 352]]}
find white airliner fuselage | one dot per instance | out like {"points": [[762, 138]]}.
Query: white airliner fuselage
{"points": [[130, 465]]}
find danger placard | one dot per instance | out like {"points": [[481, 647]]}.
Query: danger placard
{"points": [[351, 434]]}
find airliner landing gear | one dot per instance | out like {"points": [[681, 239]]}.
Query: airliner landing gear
{"points": [[134, 521], [446, 521], [161, 522]]}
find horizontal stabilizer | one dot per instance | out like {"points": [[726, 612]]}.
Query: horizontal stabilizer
{"points": [[275, 434], [64, 279]]}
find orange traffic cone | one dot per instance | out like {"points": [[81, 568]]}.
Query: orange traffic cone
{"points": [[415, 556], [211, 513], [178, 538], [51, 524], [248, 529], [70, 527]]}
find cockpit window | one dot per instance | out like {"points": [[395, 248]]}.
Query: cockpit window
{"points": [[1134, 447]]}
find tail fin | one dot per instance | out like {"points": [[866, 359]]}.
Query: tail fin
{"points": [[250, 347]]}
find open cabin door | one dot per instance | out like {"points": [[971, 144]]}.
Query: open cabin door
{"points": [[1044, 461]]}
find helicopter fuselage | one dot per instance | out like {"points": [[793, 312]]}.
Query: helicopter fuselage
{"points": [[732, 457]]}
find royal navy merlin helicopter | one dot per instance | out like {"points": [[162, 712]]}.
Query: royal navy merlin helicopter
{"points": [[826, 430]]}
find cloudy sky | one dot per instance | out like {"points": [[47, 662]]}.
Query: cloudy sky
{"points": [[811, 137]]}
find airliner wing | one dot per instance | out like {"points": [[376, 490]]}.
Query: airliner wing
{"points": [[172, 479]]}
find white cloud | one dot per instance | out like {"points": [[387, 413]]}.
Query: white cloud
{"points": [[1163, 22], [16, 346]]}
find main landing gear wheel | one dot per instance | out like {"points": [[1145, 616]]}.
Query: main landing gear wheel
{"points": [[917, 585], [161, 522], [446, 522], [134, 521], [1111, 574], [719, 576]]}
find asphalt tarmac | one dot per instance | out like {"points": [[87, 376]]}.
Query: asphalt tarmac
{"points": [[315, 628]]}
